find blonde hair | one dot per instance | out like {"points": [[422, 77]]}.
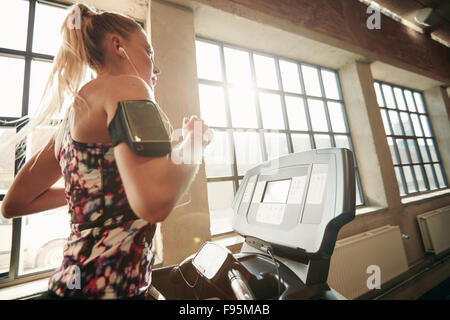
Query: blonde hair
{"points": [[81, 53]]}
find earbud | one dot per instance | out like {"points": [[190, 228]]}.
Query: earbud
{"points": [[137, 73]]}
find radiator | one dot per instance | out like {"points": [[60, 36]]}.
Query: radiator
{"points": [[350, 266], [435, 229]]}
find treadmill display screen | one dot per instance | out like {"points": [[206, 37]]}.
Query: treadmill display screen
{"points": [[277, 191]]}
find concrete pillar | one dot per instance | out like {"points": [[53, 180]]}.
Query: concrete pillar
{"points": [[148, 21], [447, 103], [438, 107], [366, 126], [173, 39]]}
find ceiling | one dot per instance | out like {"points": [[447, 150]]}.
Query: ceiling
{"points": [[407, 10], [226, 27], [212, 23]]}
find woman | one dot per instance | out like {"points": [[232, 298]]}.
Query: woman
{"points": [[108, 253]]}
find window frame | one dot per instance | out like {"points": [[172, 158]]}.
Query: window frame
{"points": [[404, 137], [12, 276], [225, 85]]}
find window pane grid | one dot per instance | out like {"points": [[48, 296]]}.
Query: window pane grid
{"points": [[15, 52], [258, 108], [35, 32], [228, 116], [283, 105], [273, 120], [327, 114], [308, 116], [411, 175], [266, 90], [417, 163]]}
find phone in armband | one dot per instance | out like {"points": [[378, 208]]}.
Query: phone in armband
{"points": [[139, 124]]}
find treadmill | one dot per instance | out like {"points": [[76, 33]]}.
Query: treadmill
{"points": [[289, 211]]}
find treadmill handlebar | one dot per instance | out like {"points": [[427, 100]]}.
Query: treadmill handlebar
{"points": [[239, 287]]}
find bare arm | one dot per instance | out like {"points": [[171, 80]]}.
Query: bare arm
{"points": [[31, 190], [153, 185]]}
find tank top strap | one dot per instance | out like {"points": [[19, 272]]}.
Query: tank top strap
{"points": [[62, 136]]}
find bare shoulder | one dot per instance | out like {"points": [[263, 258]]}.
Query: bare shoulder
{"points": [[104, 93], [121, 88], [126, 87], [92, 93]]}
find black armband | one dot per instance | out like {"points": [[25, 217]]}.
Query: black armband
{"points": [[139, 124]]}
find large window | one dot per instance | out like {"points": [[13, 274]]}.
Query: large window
{"points": [[29, 39], [411, 141], [260, 107]]}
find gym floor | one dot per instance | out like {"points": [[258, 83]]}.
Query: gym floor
{"points": [[440, 292]]}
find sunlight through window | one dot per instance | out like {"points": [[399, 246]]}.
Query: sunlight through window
{"points": [[237, 64], [262, 107], [46, 36], [11, 86], [13, 26]]}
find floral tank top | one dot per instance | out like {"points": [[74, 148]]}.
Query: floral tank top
{"points": [[108, 253]]}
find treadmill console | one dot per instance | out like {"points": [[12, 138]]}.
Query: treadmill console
{"points": [[298, 203]]}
